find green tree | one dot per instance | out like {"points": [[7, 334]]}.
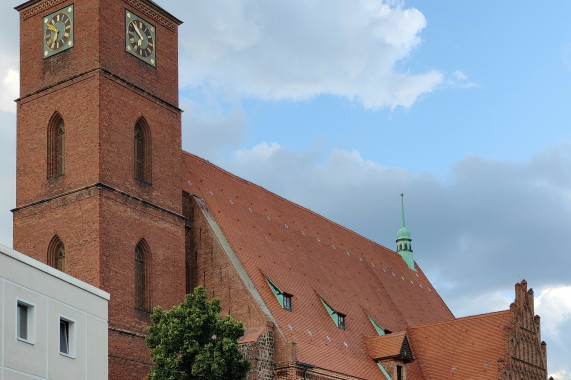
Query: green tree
{"points": [[192, 341]]}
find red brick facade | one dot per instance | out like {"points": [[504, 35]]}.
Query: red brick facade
{"points": [[97, 208], [526, 356]]}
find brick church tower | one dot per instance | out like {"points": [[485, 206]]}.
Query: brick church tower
{"points": [[99, 158]]}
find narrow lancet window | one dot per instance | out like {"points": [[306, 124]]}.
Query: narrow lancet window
{"points": [[56, 254], [56, 147], [60, 258], [142, 151], [142, 258]]}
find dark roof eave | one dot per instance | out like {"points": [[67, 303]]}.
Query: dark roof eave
{"points": [[26, 5]]}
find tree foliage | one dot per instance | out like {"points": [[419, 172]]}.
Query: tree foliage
{"points": [[192, 341]]}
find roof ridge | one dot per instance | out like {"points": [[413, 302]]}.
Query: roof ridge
{"points": [[461, 319], [245, 181]]}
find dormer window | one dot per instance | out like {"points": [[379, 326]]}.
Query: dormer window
{"points": [[283, 298], [287, 302], [337, 317], [341, 321]]}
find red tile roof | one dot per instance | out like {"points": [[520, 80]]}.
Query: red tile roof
{"points": [[386, 346], [465, 348], [308, 256]]}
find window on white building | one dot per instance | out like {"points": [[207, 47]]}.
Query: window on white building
{"points": [[25, 324], [66, 337]]}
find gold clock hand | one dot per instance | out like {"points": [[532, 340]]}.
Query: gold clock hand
{"points": [[140, 35], [138, 32], [54, 40], [50, 26]]}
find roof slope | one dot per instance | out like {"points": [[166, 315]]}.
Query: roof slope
{"points": [[308, 256], [465, 348]]}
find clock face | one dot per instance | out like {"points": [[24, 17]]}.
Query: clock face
{"points": [[140, 37], [58, 31]]}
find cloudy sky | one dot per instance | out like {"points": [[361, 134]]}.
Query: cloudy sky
{"points": [[342, 105]]}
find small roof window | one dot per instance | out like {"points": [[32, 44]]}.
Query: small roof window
{"points": [[337, 317], [283, 298]]}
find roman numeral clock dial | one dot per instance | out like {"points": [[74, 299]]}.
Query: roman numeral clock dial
{"points": [[58, 31], [140, 38]]}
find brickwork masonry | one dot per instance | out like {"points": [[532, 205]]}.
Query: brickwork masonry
{"points": [[261, 353]]}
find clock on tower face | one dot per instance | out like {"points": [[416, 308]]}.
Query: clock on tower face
{"points": [[58, 31], [140, 38]]}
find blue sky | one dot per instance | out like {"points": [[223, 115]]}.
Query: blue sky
{"points": [[342, 105]]}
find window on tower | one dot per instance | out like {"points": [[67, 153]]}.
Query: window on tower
{"points": [[142, 151], [142, 261], [56, 146], [56, 254]]}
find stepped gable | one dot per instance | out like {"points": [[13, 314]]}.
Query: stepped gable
{"points": [[463, 348], [309, 257]]}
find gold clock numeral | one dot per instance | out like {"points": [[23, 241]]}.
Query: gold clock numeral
{"points": [[140, 38], [58, 32]]}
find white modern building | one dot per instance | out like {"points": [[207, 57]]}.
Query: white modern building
{"points": [[52, 326]]}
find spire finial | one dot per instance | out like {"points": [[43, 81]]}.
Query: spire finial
{"points": [[402, 209]]}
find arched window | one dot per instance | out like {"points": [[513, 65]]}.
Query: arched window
{"points": [[56, 254], [142, 275], [142, 151], [56, 146]]}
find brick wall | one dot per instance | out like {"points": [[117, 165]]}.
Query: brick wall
{"points": [[261, 354], [74, 219], [391, 367], [214, 270], [526, 356], [97, 208]]}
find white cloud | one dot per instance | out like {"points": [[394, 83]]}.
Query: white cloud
{"points": [[9, 65], [561, 375], [262, 151], [495, 300], [212, 128], [299, 49], [7, 174], [460, 80], [10, 79], [554, 304], [459, 75]]}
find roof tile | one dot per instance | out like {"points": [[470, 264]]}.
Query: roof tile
{"points": [[465, 348], [302, 260]]}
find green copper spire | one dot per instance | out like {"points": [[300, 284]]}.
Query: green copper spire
{"points": [[404, 242], [403, 233]]}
